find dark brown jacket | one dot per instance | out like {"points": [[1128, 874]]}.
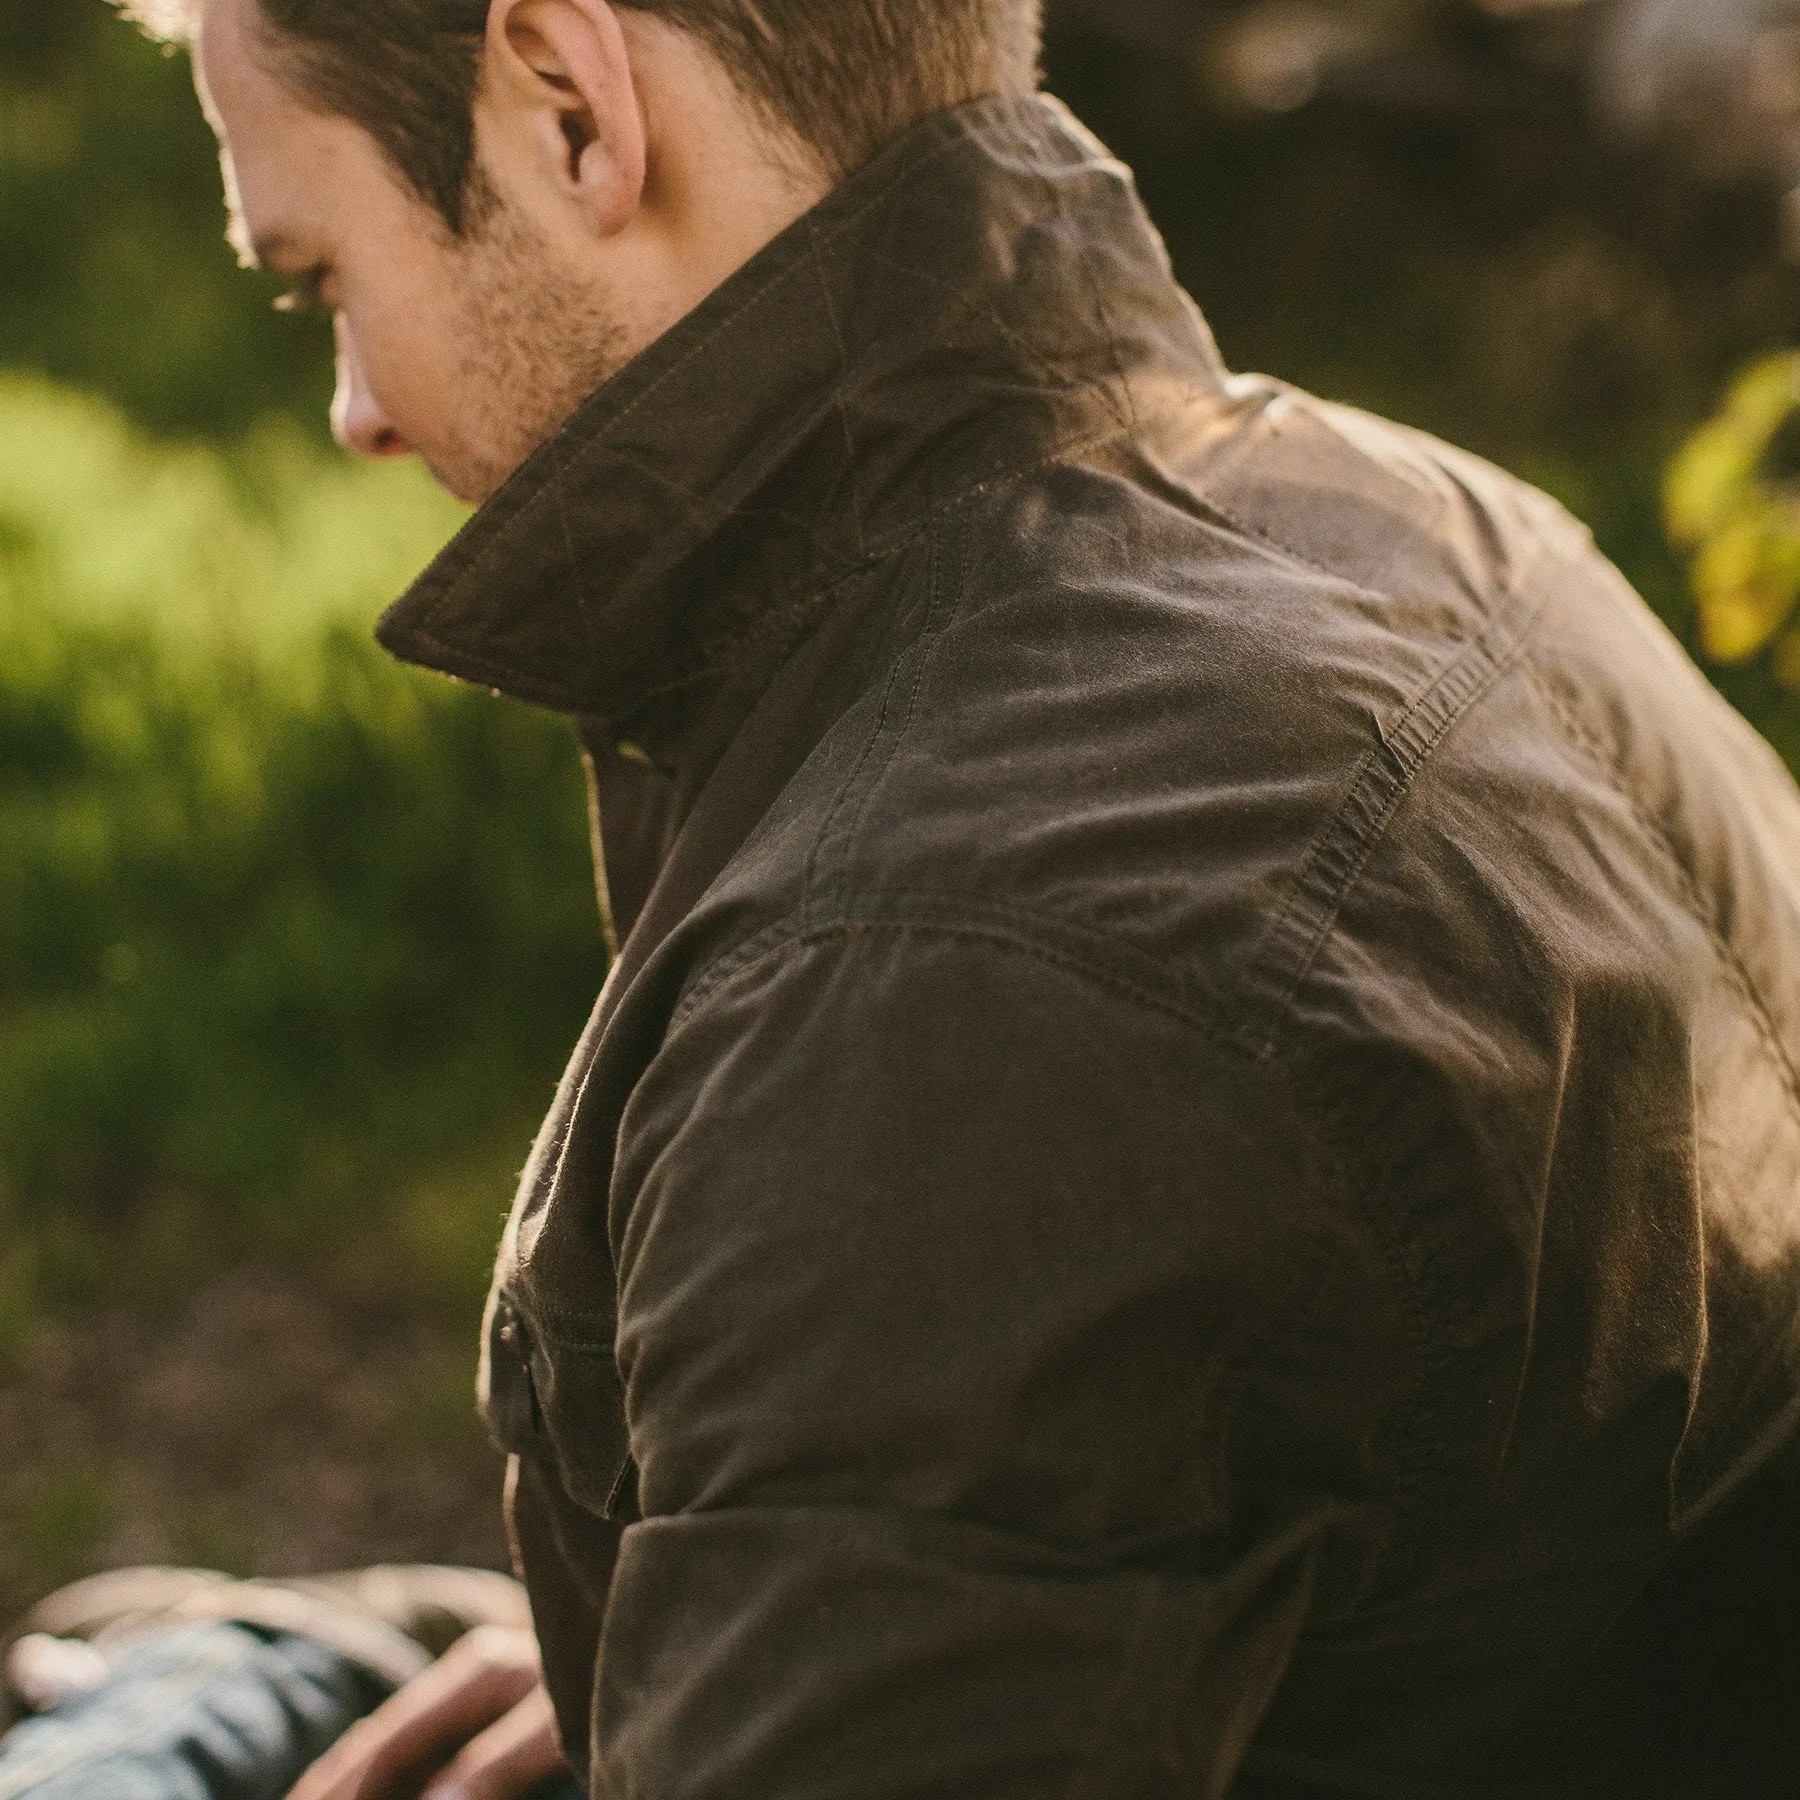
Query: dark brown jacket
{"points": [[1189, 1177]]}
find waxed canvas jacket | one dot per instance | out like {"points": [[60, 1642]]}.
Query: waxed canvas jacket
{"points": [[1188, 1180]]}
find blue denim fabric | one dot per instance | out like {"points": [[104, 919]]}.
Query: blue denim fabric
{"points": [[209, 1712]]}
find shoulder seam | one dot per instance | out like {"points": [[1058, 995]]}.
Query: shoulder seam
{"points": [[1292, 944], [1052, 942]]}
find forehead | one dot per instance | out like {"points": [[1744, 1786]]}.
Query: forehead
{"points": [[285, 164], [232, 66]]}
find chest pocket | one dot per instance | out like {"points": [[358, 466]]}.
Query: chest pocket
{"points": [[550, 1395]]}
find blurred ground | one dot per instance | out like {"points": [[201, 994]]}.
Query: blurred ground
{"points": [[263, 1425]]}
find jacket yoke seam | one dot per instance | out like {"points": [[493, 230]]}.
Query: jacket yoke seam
{"points": [[1345, 844], [585, 1332], [1127, 409], [1234, 521], [954, 915], [1008, 928], [1291, 947], [942, 599], [1223, 515], [1208, 501], [945, 598], [892, 722], [842, 797]]}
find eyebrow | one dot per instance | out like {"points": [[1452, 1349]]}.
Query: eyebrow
{"points": [[269, 248], [265, 250]]}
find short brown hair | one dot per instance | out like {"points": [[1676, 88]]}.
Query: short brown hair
{"points": [[845, 76]]}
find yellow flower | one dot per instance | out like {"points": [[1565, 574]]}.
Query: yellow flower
{"points": [[1744, 529]]}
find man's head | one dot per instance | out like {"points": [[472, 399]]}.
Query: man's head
{"points": [[501, 201]]}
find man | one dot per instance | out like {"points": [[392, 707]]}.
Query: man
{"points": [[1189, 1177]]}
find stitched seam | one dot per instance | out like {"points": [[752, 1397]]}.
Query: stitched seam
{"points": [[1269, 541], [1443, 669], [945, 599], [1341, 859], [919, 652], [1127, 412], [843, 415], [806, 933], [924, 645], [1087, 945], [1263, 535], [1224, 515], [1206, 502], [1307, 1282], [1693, 901], [1325, 881], [842, 797], [567, 1327]]}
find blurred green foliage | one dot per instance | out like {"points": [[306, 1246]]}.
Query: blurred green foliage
{"points": [[292, 939], [242, 552], [1733, 499], [114, 272]]}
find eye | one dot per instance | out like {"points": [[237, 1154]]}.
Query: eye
{"points": [[306, 292]]}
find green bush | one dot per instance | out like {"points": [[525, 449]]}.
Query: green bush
{"points": [[292, 940], [114, 270]]}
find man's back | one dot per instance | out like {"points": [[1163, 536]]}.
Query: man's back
{"points": [[1197, 1134]]}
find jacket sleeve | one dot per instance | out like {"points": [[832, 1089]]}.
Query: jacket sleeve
{"points": [[1001, 1375]]}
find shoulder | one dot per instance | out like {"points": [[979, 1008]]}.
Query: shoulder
{"points": [[1145, 681], [1238, 690]]}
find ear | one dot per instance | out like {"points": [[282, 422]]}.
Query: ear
{"points": [[561, 70]]}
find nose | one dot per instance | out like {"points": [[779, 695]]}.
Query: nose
{"points": [[357, 421]]}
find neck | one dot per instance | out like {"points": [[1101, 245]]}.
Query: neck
{"points": [[721, 183]]}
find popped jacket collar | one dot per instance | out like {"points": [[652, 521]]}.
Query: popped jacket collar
{"points": [[986, 293]]}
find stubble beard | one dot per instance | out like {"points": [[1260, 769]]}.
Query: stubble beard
{"points": [[534, 345]]}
